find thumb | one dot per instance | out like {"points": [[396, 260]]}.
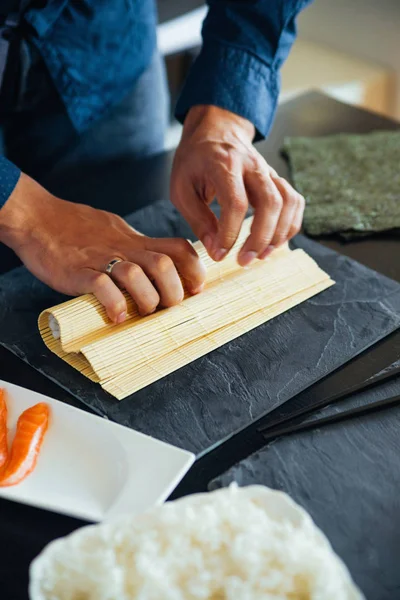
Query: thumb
{"points": [[196, 212]]}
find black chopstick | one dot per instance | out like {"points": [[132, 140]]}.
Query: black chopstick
{"points": [[336, 418], [342, 395]]}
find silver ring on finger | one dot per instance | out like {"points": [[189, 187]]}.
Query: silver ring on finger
{"points": [[112, 264]]}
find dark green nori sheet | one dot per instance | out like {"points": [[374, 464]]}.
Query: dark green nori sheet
{"points": [[351, 183]]}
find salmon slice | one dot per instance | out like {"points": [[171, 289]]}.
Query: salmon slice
{"points": [[31, 427], [3, 428]]}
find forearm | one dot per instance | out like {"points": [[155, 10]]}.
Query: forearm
{"points": [[244, 45], [20, 214], [213, 119]]}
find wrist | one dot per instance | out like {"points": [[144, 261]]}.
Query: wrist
{"points": [[19, 214], [215, 118]]}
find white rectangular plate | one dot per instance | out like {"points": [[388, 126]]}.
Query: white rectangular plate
{"points": [[92, 468]]}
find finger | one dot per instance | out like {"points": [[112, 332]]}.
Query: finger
{"points": [[195, 210], [267, 201], [290, 205], [232, 197], [298, 218], [162, 271], [272, 171], [131, 277], [186, 259], [89, 281]]}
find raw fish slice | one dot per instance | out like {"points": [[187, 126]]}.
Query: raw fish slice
{"points": [[31, 427], [3, 428]]}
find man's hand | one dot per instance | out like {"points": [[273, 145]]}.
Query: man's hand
{"points": [[216, 158], [68, 246]]}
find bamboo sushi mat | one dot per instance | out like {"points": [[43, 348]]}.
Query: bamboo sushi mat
{"points": [[125, 358]]}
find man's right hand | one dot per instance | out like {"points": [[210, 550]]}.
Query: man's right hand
{"points": [[68, 246]]}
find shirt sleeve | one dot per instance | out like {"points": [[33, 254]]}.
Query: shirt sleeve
{"points": [[245, 42], [9, 176]]}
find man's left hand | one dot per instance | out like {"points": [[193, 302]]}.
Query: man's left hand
{"points": [[216, 159]]}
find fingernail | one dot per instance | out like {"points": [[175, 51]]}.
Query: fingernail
{"points": [[267, 252], [121, 317], [220, 254], [207, 242], [247, 257]]}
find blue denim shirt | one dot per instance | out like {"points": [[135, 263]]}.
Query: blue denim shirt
{"points": [[95, 50]]}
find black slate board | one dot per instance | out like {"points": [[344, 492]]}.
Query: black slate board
{"points": [[355, 401], [381, 360], [204, 403], [347, 476]]}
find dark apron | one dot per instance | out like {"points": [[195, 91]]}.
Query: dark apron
{"points": [[11, 66]]}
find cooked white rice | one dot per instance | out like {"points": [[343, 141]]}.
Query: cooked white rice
{"points": [[234, 544], [54, 327]]}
